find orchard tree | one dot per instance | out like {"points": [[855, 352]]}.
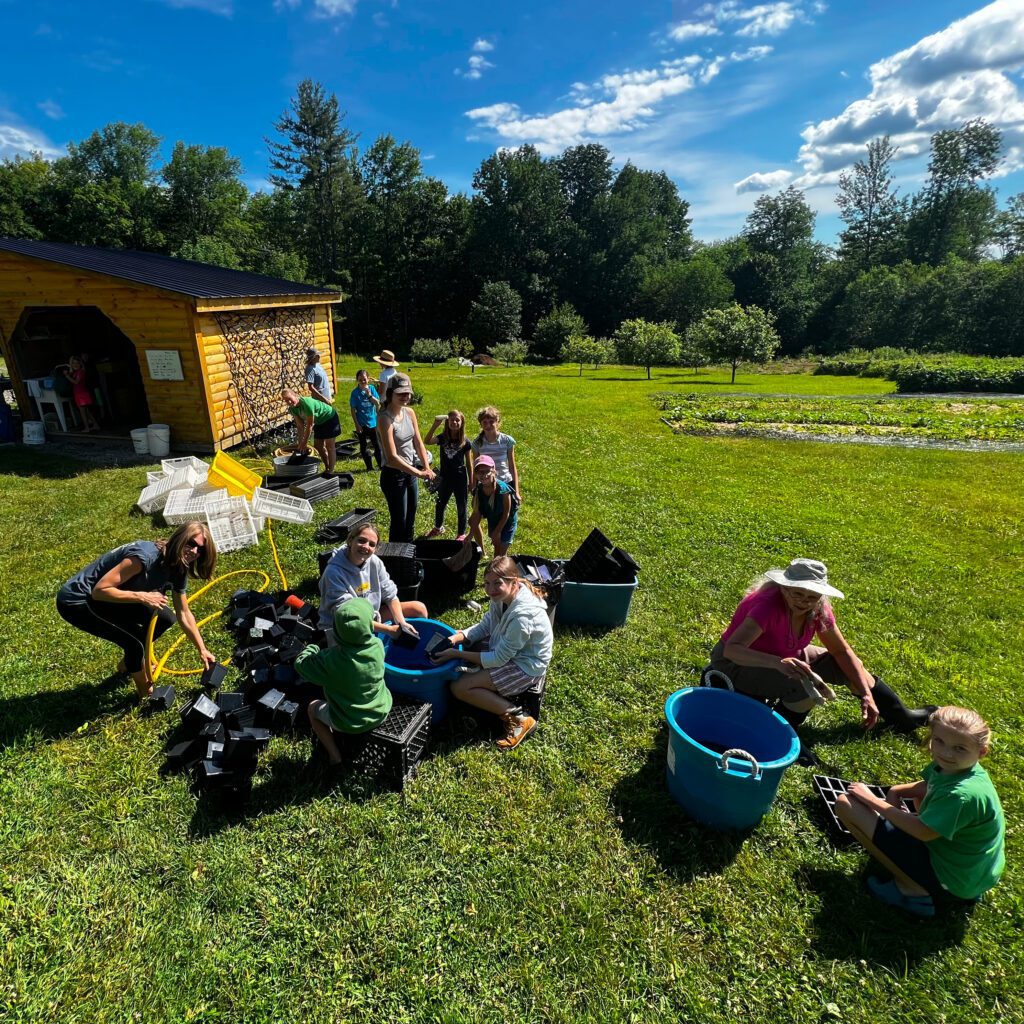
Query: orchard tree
{"points": [[431, 350], [642, 343], [735, 335], [581, 348], [509, 352]]}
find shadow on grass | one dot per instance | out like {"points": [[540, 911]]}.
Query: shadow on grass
{"points": [[289, 780], [15, 461], [649, 818], [59, 713], [852, 925]]}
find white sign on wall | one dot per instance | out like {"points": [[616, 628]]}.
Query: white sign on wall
{"points": [[164, 364]]}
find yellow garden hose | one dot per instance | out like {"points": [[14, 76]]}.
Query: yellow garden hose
{"points": [[277, 561], [160, 669]]}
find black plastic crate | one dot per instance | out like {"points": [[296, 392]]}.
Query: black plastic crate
{"points": [[437, 577], [336, 531], [829, 789], [395, 748], [597, 560], [315, 488]]}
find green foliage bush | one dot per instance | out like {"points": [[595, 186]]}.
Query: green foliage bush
{"points": [[938, 373], [431, 350], [555, 329]]}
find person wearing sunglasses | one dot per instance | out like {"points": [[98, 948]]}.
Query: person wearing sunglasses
{"points": [[766, 651], [115, 596]]}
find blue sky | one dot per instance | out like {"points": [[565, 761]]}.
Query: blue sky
{"points": [[731, 98]]}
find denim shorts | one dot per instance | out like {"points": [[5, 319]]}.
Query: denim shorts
{"points": [[910, 855], [509, 531]]}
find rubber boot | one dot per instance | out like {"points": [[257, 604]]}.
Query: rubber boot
{"points": [[808, 758], [895, 713]]}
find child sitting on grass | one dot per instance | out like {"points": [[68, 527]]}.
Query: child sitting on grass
{"points": [[953, 845], [352, 677]]}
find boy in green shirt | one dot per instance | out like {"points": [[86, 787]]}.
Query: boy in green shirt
{"points": [[312, 415], [352, 677]]}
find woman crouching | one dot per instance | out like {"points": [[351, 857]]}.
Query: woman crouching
{"points": [[515, 660]]}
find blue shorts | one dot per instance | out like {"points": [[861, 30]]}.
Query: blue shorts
{"points": [[509, 532], [910, 855]]}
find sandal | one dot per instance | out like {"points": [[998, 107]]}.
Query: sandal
{"points": [[889, 893]]}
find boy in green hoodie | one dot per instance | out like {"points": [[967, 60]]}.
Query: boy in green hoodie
{"points": [[352, 677]]}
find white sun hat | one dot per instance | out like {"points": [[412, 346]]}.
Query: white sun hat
{"points": [[805, 574]]}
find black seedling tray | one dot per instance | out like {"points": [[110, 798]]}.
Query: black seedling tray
{"points": [[597, 560], [336, 531], [829, 789]]}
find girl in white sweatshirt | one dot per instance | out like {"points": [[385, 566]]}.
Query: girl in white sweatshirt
{"points": [[519, 646]]}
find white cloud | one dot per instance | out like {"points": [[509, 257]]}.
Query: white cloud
{"points": [[477, 63], [763, 182], [938, 83], [334, 8], [51, 109], [615, 104], [18, 141], [693, 30]]}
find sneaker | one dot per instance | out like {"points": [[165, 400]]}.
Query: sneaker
{"points": [[435, 532], [517, 729], [889, 893], [461, 538]]}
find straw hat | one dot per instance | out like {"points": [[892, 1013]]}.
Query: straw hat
{"points": [[805, 574], [386, 358]]}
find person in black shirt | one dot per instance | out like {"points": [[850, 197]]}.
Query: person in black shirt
{"points": [[115, 596], [453, 473]]}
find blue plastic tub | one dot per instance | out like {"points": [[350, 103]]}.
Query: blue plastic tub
{"points": [[407, 670], [595, 604], [704, 724]]}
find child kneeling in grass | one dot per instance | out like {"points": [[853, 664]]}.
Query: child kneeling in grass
{"points": [[953, 845], [520, 643], [352, 677]]}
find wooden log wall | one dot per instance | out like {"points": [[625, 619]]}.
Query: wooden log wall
{"points": [[229, 421], [149, 317]]}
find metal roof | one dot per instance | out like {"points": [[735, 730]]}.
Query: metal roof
{"points": [[200, 280]]}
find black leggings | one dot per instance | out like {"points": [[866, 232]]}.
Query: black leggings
{"points": [[402, 493], [457, 487], [367, 440], [122, 624]]}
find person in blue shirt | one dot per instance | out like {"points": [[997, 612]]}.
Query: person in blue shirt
{"points": [[363, 405]]}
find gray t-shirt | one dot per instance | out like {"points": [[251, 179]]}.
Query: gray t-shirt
{"points": [[155, 575], [404, 434], [317, 376]]}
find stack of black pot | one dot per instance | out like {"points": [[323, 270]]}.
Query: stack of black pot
{"points": [[221, 732]]}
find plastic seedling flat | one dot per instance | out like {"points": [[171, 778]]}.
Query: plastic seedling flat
{"points": [[284, 507], [231, 524], [199, 712], [829, 789], [170, 466], [229, 701], [154, 496], [184, 506]]}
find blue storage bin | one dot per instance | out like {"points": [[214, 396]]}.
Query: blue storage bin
{"points": [[595, 604], [704, 724], [407, 670]]}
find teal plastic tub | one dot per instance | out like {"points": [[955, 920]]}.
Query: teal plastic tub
{"points": [[595, 604], [407, 670]]}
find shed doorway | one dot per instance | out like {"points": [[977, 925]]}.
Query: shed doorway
{"points": [[48, 336]]}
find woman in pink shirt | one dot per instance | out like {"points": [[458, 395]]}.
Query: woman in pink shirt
{"points": [[767, 651]]}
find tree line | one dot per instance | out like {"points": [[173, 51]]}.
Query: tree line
{"points": [[550, 249]]}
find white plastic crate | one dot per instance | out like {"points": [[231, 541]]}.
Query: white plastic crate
{"points": [[286, 507], [154, 496], [154, 477], [231, 524], [184, 506], [170, 466]]}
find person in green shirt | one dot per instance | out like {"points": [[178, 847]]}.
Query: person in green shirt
{"points": [[316, 417], [352, 677], [954, 844]]}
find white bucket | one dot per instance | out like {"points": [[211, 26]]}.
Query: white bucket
{"points": [[159, 439], [140, 438], [32, 432]]}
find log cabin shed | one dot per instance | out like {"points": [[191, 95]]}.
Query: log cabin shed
{"points": [[201, 348]]}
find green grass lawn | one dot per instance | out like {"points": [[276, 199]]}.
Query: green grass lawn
{"points": [[558, 883]]}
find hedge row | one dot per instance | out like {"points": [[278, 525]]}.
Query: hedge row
{"points": [[940, 373]]}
